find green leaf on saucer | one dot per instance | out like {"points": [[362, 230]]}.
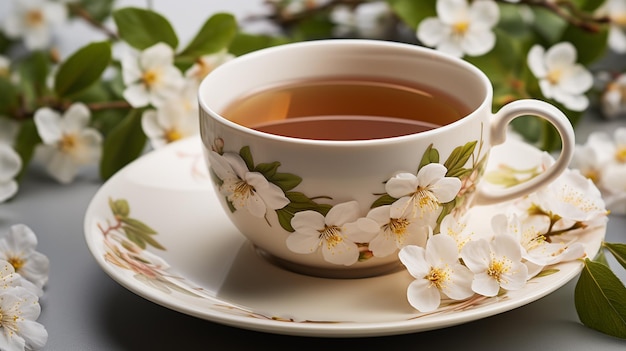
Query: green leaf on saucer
{"points": [[119, 207], [82, 69], [142, 28], [600, 299], [619, 252], [216, 34], [123, 144]]}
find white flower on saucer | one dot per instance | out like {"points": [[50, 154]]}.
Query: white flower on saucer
{"points": [[457, 228], [19, 310], [437, 272], [495, 264], [246, 189], [10, 166], [536, 247], [150, 76], [397, 229], [461, 28], [176, 119], [336, 233], [560, 77], [33, 20], [368, 20], [613, 100], [206, 64], [68, 141], [18, 248], [424, 192]]}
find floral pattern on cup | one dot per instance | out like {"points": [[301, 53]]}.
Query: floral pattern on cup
{"points": [[412, 206]]}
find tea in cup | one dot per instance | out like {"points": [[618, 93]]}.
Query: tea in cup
{"points": [[331, 155]]}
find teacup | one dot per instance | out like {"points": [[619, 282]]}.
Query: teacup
{"points": [[343, 208]]}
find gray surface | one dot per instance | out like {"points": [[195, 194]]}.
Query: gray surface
{"points": [[84, 309]]}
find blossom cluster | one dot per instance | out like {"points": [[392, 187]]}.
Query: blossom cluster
{"points": [[602, 159], [524, 237], [23, 273]]}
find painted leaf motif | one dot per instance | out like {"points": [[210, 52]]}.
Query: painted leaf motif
{"points": [[139, 225], [600, 299], [286, 181], [298, 202], [431, 155], [459, 157], [268, 170], [385, 199], [119, 207], [246, 155]]}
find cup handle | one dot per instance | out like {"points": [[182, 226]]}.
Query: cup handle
{"points": [[498, 131]]}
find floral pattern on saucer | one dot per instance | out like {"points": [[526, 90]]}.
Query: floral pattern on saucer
{"points": [[156, 250]]}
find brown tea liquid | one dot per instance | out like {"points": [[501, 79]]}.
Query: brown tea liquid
{"points": [[345, 109]]}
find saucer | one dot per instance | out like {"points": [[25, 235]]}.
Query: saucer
{"points": [[156, 227]]}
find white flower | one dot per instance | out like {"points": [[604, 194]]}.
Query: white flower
{"points": [[496, 263], [531, 234], [424, 192], [176, 119], [9, 278], [437, 272], [560, 77], [10, 166], [19, 249], [369, 20], [68, 142], [396, 229], [615, 10], [336, 233], [19, 310], [246, 189], [571, 197], [613, 100], [457, 228], [150, 76], [614, 186], [33, 20], [206, 64], [461, 28]]}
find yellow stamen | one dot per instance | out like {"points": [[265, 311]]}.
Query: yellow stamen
{"points": [[620, 154], [425, 199], [34, 18], [172, 135], [397, 226], [437, 277], [593, 174], [16, 262], [460, 28], [68, 143], [619, 19], [497, 268], [331, 235], [150, 78], [554, 76]]}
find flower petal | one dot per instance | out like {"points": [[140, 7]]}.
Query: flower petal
{"points": [[484, 285], [414, 258], [76, 118], [423, 296], [560, 55], [343, 213], [446, 189], [476, 255], [461, 287], [441, 249], [430, 31], [535, 61], [137, 95], [302, 243], [401, 184], [485, 13], [48, 123], [451, 11], [342, 253], [158, 55], [430, 174], [478, 42]]}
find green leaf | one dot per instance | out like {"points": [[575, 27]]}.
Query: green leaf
{"points": [[268, 170], [600, 299], [25, 143], [119, 207], [216, 34], [431, 155], [412, 12], [98, 10], [459, 157], [139, 225], [246, 155], [142, 28], [590, 46], [548, 26], [82, 69], [546, 272], [383, 200], [9, 94], [33, 73], [618, 251], [141, 238], [286, 181], [298, 202], [244, 43], [123, 144]]}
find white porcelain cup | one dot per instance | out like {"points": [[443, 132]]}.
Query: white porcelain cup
{"points": [[343, 208]]}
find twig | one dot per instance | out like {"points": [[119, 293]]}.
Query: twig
{"points": [[79, 11]]}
